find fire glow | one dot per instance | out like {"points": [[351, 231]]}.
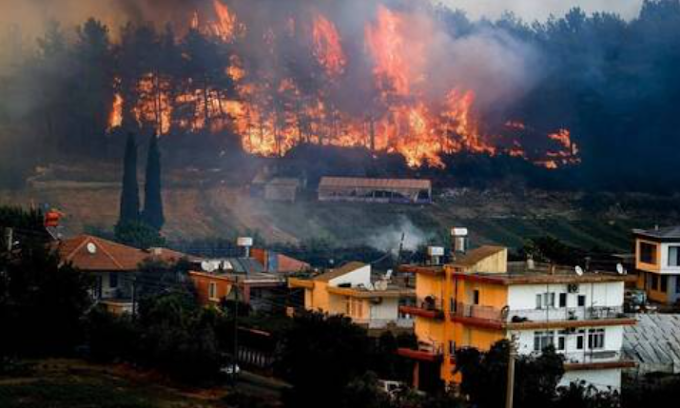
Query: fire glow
{"points": [[394, 113]]}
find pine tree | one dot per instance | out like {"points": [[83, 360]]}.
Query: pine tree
{"points": [[129, 199], [153, 201]]}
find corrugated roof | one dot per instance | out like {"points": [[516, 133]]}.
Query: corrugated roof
{"points": [[661, 233], [654, 343], [476, 255], [337, 272], [327, 182]]}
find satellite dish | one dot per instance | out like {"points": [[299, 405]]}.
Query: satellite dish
{"points": [[620, 270], [227, 266], [579, 270], [91, 248], [381, 285], [207, 266]]}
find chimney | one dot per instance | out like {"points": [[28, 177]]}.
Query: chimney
{"points": [[460, 241], [435, 253], [246, 243]]}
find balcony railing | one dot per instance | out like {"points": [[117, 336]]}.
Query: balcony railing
{"points": [[400, 323], [586, 357], [501, 316]]}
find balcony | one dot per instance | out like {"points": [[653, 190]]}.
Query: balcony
{"points": [[429, 306], [381, 324], [592, 360], [493, 318], [430, 352]]}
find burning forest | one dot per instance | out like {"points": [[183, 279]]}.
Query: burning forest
{"points": [[279, 80], [408, 85]]}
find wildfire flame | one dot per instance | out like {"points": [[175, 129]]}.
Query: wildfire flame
{"points": [[274, 115]]}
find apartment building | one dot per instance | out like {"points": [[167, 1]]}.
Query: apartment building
{"points": [[351, 291], [657, 261], [480, 298]]}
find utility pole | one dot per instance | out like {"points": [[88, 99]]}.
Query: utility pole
{"points": [[510, 392], [234, 362]]}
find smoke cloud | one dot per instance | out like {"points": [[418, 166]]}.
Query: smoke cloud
{"points": [[389, 238]]}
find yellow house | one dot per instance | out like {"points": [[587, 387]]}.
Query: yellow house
{"points": [[657, 260], [480, 299], [349, 291]]}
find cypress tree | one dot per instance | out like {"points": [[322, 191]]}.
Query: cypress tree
{"points": [[153, 201], [129, 199]]}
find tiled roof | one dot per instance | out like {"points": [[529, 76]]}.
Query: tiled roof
{"points": [[91, 253], [337, 272], [374, 183]]}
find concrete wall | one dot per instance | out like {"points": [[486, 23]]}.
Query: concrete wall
{"points": [[361, 276], [602, 294], [602, 379]]}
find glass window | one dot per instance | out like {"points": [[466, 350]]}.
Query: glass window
{"points": [[543, 339], [113, 280], [648, 253], [579, 339], [596, 339], [655, 282], [677, 284], [581, 300], [674, 256], [539, 301], [212, 290], [476, 297], [664, 283], [563, 300]]}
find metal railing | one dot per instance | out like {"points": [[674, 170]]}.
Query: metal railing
{"points": [[399, 323], [591, 356], [536, 315]]}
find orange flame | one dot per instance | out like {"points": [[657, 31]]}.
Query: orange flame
{"points": [[327, 47]]}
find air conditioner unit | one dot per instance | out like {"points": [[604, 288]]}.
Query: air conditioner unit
{"points": [[572, 288]]}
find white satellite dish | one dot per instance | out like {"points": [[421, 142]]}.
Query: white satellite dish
{"points": [[381, 285], [620, 270], [91, 248], [207, 266], [579, 270], [227, 266]]}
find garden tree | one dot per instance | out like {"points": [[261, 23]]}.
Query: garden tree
{"points": [[129, 200], [583, 395], [550, 249], [138, 234], [42, 301], [319, 356], [111, 338], [536, 378], [153, 200]]}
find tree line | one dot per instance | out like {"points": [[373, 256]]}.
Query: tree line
{"points": [[612, 82]]}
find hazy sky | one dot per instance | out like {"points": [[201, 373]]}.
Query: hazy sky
{"points": [[540, 9]]}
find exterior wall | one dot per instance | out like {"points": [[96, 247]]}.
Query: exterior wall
{"points": [[202, 285], [645, 266], [601, 294], [602, 379], [496, 263], [388, 309], [361, 276], [427, 285], [122, 290]]}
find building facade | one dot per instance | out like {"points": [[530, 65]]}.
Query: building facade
{"points": [[657, 261], [350, 291], [480, 299]]}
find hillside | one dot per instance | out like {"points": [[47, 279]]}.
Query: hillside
{"points": [[209, 204]]}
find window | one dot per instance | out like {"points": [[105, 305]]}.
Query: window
{"points": [[113, 280], [563, 300], [664, 283], [543, 339], [648, 253], [596, 339], [545, 300], [476, 297], [562, 340], [579, 339], [677, 284], [655, 282], [212, 291], [581, 300], [674, 256], [452, 347]]}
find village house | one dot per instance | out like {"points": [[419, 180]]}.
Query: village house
{"points": [[113, 266], [349, 290], [480, 298], [657, 261], [259, 279]]}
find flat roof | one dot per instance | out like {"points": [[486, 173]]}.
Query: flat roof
{"points": [[671, 233], [374, 183]]}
